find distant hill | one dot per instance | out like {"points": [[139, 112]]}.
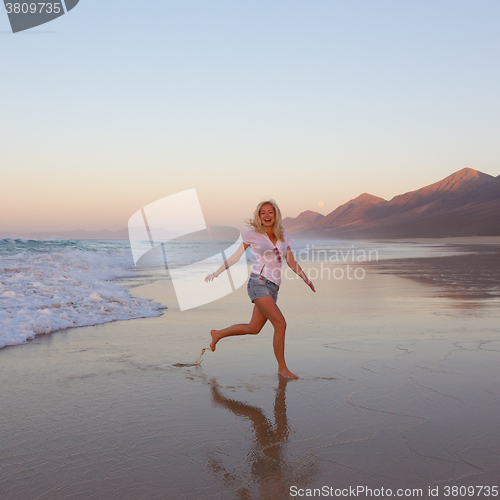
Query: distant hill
{"points": [[304, 219], [78, 234], [350, 212], [466, 203]]}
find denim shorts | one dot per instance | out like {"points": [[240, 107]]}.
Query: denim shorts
{"points": [[259, 287]]}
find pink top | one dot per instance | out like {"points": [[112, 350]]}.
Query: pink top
{"points": [[267, 262]]}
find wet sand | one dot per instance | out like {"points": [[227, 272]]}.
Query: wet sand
{"points": [[398, 388], [473, 274]]}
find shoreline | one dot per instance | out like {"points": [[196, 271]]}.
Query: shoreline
{"points": [[419, 268]]}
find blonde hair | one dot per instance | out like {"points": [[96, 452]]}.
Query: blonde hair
{"points": [[256, 223]]}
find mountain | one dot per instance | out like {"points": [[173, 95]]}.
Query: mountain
{"points": [[303, 219], [351, 212], [466, 203]]}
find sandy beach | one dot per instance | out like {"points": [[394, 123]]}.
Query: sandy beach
{"points": [[398, 389]]}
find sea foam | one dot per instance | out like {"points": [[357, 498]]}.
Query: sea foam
{"points": [[41, 292]]}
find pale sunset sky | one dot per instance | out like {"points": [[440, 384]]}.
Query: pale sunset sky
{"points": [[119, 103]]}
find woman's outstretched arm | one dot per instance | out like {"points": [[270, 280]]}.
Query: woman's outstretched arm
{"points": [[294, 266], [229, 262]]}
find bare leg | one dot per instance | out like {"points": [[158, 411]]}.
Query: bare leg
{"points": [[257, 321], [271, 311]]}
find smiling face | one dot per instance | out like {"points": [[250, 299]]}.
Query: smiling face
{"points": [[267, 215]]}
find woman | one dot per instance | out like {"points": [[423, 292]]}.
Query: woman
{"points": [[269, 243]]}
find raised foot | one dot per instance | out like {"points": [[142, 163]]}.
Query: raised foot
{"points": [[215, 339], [286, 373]]}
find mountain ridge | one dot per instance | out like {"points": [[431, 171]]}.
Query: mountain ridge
{"points": [[465, 203]]}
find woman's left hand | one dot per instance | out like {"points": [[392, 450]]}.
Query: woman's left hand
{"points": [[309, 283]]}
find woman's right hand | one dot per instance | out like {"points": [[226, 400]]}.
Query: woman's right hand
{"points": [[210, 277]]}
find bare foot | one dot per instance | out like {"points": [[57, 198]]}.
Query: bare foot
{"points": [[215, 339], [286, 373]]}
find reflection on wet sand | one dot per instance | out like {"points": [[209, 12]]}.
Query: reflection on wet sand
{"points": [[469, 277], [270, 469]]}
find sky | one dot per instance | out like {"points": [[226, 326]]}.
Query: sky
{"points": [[119, 103]]}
